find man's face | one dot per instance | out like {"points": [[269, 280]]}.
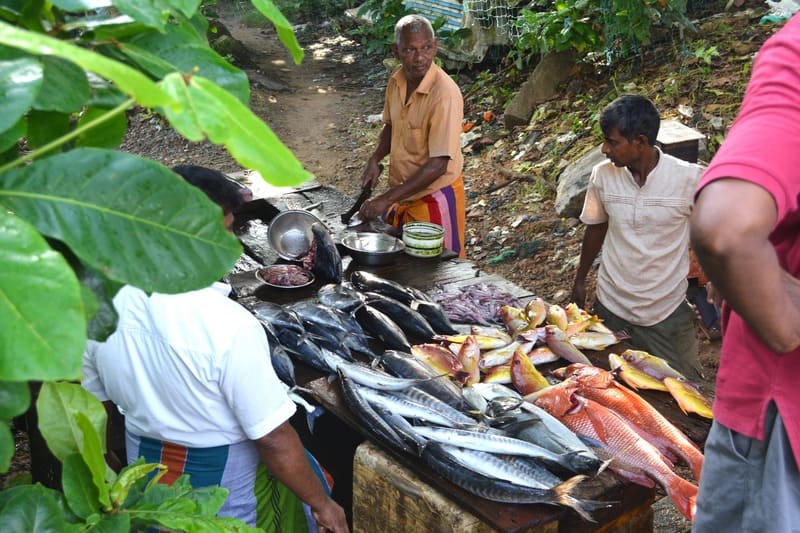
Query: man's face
{"points": [[620, 150], [416, 52]]}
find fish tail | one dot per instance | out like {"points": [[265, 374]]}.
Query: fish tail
{"points": [[684, 496], [564, 497]]}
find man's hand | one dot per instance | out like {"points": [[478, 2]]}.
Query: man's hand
{"points": [[330, 517], [579, 293]]}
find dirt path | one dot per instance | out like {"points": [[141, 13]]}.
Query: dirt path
{"points": [[319, 108]]}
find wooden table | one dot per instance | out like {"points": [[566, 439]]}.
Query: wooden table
{"points": [[633, 511]]}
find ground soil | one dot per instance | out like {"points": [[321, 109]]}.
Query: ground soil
{"points": [[324, 111]]}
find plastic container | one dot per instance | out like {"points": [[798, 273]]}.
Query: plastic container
{"points": [[423, 239]]}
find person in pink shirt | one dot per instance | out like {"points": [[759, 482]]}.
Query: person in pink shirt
{"points": [[745, 229]]}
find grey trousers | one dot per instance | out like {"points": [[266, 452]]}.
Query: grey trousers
{"points": [[674, 339], [748, 485]]}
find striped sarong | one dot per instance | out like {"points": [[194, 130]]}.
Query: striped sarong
{"points": [[446, 207], [255, 496]]}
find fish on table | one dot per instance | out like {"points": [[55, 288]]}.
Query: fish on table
{"points": [[599, 385], [632, 457]]}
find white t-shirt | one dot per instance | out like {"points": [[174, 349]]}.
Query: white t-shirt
{"points": [[642, 276], [190, 368]]}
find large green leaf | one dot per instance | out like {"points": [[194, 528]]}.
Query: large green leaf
{"points": [[12, 135], [65, 87], [130, 218], [57, 406], [112, 523], [20, 81], [32, 509], [93, 454], [282, 27], [45, 126], [186, 50], [151, 13], [79, 490], [210, 111], [129, 80], [108, 134], [7, 447], [42, 326], [15, 397]]}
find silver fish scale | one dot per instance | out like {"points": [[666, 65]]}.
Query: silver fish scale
{"points": [[420, 396], [508, 468], [405, 407]]}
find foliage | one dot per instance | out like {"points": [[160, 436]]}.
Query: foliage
{"points": [[78, 219], [378, 35], [298, 10], [616, 28]]}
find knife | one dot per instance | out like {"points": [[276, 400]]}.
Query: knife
{"points": [[366, 191]]}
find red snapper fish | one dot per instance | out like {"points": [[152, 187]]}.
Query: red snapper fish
{"points": [[599, 385], [632, 457]]}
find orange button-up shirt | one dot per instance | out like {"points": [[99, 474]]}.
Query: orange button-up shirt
{"points": [[428, 125]]}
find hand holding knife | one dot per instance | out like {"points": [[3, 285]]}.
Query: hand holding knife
{"points": [[366, 191]]}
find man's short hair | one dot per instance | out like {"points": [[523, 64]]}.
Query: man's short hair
{"points": [[631, 115], [412, 24], [219, 188]]}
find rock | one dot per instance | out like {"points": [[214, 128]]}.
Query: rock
{"points": [[572, 183], [552, 70]]}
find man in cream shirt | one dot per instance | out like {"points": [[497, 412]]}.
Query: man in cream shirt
{"points": [[637, 210]]}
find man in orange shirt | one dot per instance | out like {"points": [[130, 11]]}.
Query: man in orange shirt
{"points": [[422, 117]]}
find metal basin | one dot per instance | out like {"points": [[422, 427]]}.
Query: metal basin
{"points": [[289, 233], [372, 249]]}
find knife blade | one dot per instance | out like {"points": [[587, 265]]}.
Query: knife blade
{"points": [[366, 191]]}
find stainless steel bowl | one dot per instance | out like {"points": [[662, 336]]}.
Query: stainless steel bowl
{"points": [[372, 249], [289, 233]]}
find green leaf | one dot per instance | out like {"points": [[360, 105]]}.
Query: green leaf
{"points": [[214, 113], [46, 126], [185, 50], [7, 447], [20, 81], [129, 476], [42, 326], [282, 27], [79, 490], [65, 87], [112, 523], [128, 217], [15, 397], [32, 508], [97, 293], [128, 79], [58, 405], [12, 135], [93, 454], [76, 6], [151, 13], [108, 134]]}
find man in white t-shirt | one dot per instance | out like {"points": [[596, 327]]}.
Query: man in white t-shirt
{"points": [[192, 374], [637, 210]]}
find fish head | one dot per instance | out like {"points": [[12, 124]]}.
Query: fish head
{"points": [[558, 399]]}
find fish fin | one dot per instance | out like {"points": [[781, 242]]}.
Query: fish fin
{"points": [[605, 465], [311, 417], [564, 497], [684, 496], [592, 443]]}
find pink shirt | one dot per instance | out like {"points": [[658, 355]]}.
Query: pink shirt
{"points": [[763, 147], [429, 125]]}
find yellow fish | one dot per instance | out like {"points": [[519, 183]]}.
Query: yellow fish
{"points": [[536, 311], [632, 375], [484, 342], [689, 397], [557, 317]]}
